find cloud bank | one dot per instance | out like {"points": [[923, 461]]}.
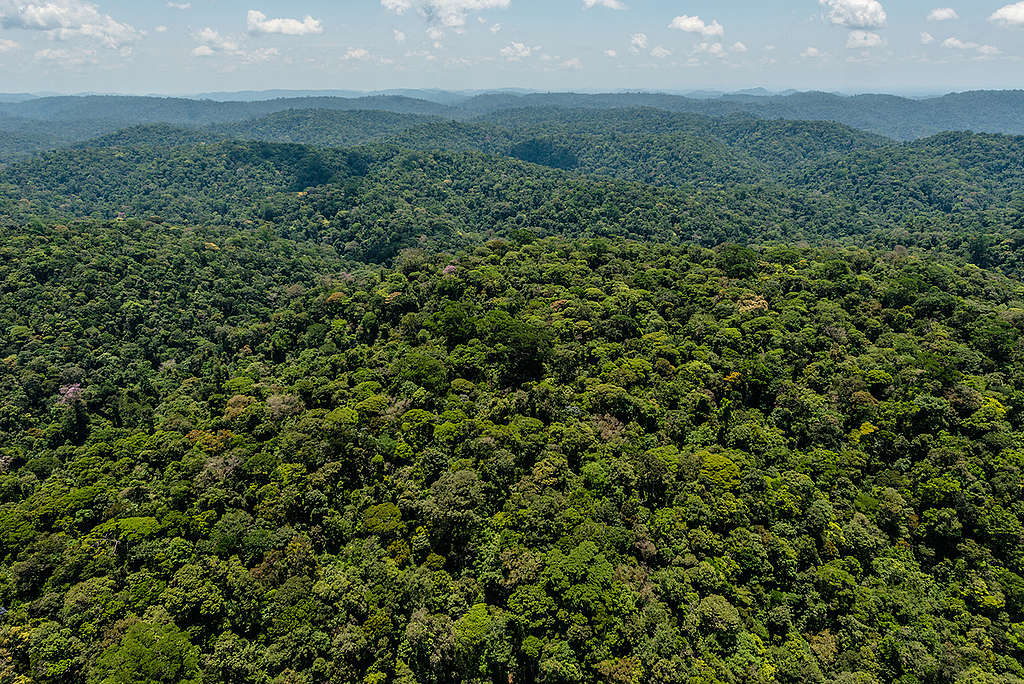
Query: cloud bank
{"points": [[697, 25], [63, 19], [856, 14], [259, 23]]}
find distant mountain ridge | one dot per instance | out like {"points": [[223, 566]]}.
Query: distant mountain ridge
{"points": [[26, 124], [132, 110], [444, 97]]}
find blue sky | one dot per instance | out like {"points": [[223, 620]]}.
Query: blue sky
{"points": [[189, 46]]}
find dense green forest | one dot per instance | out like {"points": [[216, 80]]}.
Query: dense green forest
{"points": [[636, 172], [593, 390]]}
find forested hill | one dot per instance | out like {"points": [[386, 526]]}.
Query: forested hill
{"points": [[373, 202], [643, 143], [710, 179], [319, 127], [637, 144]]}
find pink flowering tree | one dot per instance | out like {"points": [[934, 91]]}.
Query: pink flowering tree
{"points": [[69, 394]]}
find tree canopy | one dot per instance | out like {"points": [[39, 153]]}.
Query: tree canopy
{"points": [[670, 398]]}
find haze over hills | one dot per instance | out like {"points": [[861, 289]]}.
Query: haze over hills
{"points": [[180, 110], [439, 96], [891, 116], [448, 96]]}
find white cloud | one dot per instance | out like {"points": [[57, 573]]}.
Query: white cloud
{"points": [[812, 53], [258, 22], [572, 63], [943, 14], [927, 38], [160, 29], [62, 19], [213, 43], [638, 42], [739, 47], [1012, 15], [713, 49], [7, 45], [863, 39], [611, 53], [435, 33], [360, 54], [954, 43], [697, 25], [516, 51], [180, 5], [660, 53], [856, 14], [447, 12], [610, 4], [399, 36], [496, 28]]}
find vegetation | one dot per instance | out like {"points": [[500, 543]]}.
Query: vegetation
{"points": [[555, 395], [639, 173], [557, 460]]}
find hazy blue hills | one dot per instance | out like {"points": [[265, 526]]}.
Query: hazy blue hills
{"points": [[889, 115], [895, 117], [133, 110]]}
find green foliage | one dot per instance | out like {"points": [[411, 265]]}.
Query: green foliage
{"points": [[387, 415], [147, 654], [560, 461]]}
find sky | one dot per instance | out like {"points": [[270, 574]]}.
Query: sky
{"points": [[193, 46]]}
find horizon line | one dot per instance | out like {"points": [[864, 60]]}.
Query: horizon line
{"points": [[352, 93]]}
